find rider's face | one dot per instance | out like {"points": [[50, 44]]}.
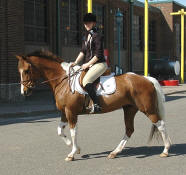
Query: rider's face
{"points": [[89, 25]]}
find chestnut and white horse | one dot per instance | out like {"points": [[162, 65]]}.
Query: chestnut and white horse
{"points": [[133, 93]]}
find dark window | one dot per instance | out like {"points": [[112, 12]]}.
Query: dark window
{"points": [[178, 39], [98, 10], [152, 36], [35, 20], [2, 3], [70, 22], [138, 32]]}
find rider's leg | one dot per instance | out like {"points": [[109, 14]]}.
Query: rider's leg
{"points": [[93, 73], [92, 93]]}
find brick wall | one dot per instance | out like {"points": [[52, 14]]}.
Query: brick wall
{"points": [[11, 34]]}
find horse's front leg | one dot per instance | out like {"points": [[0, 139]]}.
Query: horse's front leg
{"points": [[73, 131], [60, 129]]}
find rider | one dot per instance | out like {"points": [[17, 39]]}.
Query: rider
{"points": [[93, 58]]}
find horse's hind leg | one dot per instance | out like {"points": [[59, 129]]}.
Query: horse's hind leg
{"points": [[160, 125], [61, 127], [129, 114]]}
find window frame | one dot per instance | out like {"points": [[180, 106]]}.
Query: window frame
{"points": [[35, 27], [152, 36], [68, 30], [138, 36]]}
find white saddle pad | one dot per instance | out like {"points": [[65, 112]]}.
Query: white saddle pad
{"points": [[108, 83]]}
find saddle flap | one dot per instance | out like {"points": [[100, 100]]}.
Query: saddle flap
{"points": [[106, 85]]}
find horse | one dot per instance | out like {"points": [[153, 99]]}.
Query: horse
{"points": [[133, 93]]}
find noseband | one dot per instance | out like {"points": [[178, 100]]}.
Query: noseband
{"points": [[29, 83]]}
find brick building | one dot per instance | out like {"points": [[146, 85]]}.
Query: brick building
{"points": [[27, 25]]}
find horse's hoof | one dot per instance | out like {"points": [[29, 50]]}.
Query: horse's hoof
{"points": [[78, 151], [164, 155], [111, 156], [68, 159]]}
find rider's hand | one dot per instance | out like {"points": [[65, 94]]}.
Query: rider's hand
{"points": [[85, 66], [73, 64]]}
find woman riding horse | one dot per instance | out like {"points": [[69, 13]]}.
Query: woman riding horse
{"points": [[93, 58]]}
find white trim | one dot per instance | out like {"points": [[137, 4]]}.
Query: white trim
{"points": [[22, 86]]}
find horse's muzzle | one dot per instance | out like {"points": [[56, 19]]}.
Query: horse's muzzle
{"points": [[28, 92]]}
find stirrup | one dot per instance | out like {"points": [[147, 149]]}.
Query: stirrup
{"points": [[96, 109]]}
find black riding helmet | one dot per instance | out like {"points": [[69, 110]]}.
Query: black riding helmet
{"points": [[89, 17]]}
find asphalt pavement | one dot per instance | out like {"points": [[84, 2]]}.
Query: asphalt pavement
{"points": [[30, 145]]}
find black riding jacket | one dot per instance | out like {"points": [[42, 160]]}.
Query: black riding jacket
{"points": [[93, 47]]}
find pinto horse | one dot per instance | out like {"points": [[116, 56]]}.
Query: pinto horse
{"points": [[133, 93]]}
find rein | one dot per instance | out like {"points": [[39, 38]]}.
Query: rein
{"points": [[29, 83], [73, 73]]}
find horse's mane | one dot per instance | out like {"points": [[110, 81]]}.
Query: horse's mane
{"points": [[45, 54]]}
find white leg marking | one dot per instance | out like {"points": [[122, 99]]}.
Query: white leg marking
{"points": [[121, 145], [75, 148], [22, 86], [60, 131], [161, 127]]}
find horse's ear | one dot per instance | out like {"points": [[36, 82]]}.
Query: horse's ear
{"points": [[19, 57]]}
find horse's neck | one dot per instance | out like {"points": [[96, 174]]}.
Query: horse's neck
{"points": [[51, 71], [54, 78]]}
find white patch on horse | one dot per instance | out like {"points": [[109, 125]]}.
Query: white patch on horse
{"points": [[131, 73], [60, 128], [161, 127], [60, 131], [22, 86], [75, 148], [121, 145]]}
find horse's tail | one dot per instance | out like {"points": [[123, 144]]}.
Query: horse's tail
{"points": [[160, 97], [161, 109]]}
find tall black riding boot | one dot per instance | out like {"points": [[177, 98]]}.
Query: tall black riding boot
{"points": [[92, 93]]}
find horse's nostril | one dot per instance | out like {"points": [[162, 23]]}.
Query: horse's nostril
{"points": [[28, 92], [24, 92]]}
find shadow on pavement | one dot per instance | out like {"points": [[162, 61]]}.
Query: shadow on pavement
{"points": [[171, 98], [34, 119], [141, 152]]}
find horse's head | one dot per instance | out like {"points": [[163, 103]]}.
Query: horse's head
{"points": [[28, 75]]}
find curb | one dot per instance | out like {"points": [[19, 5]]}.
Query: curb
{"points": [[174, 92]]}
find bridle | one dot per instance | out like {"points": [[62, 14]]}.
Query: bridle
{"points": [[29, 83]]}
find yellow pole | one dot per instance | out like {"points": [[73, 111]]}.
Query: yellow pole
{"points": [[182, 13], [146, 32], [182, 46], [89, 6]]}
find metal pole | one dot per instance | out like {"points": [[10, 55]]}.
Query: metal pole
{"points": [[131, 34], [89, 6], [182, 13], [182, 46], [118, 44], [146, 40]]}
